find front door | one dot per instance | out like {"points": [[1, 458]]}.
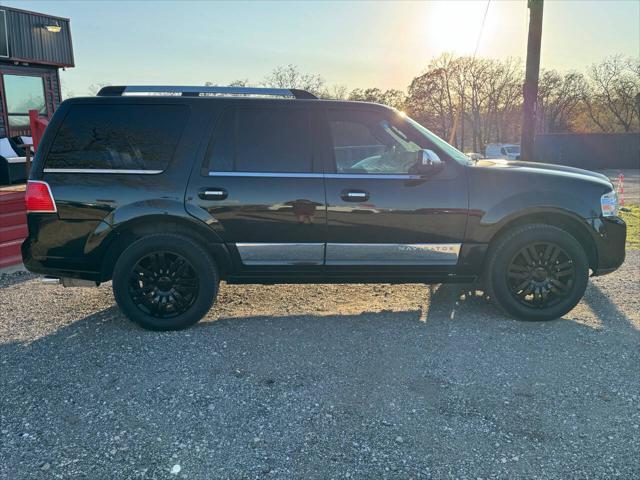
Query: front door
{"points": [[261, 187], [378, 212]]}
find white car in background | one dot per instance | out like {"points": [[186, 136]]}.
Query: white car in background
{"points": [[508, 151]]}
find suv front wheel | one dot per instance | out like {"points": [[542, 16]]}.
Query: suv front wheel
{"points": [[165, 282], [537, 272]]}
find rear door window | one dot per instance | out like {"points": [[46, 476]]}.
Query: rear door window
{"points": [[262, 139], [117, 137]]}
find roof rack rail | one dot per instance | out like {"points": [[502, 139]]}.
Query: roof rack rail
{"points": [[186, 91]]}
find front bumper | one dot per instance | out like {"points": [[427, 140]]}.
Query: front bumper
{"points": [[610, 236]]}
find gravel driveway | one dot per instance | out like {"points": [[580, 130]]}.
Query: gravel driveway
{"points": [[352, 381]]}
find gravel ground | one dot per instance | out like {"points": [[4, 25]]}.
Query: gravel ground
{"points": [[352, 381]]}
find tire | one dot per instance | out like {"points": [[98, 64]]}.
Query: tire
{"points": [[165, 282], [536, 272]]}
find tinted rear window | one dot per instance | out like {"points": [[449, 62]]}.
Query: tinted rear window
{"points": [[117, 137], [262, 140]]}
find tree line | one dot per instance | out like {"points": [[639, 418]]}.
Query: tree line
{"points": [[481, 98], [485, 96]]}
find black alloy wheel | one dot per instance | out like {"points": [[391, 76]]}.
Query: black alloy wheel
{"points": [[541, 274], [163, 284], [536, 272], [165, 281]]}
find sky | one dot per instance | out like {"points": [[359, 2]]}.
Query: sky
{"points": [[358, 44]]}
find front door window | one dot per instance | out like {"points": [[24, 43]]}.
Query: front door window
{"points": [[368, 143]]}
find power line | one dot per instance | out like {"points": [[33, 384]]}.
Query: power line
{"points": [[484, 19], [454, 129]]}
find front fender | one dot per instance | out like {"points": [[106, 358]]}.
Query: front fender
{"points": [[485, 224], [503, 193], [548, 200]]}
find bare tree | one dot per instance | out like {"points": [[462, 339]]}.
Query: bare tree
{"points": [[559, 98], [485, 95], [392, 97], [290, 76], [504, 101], [611, 99], [241, 82], [431, 98], [94, 88], [335, 92], [235, 83], [66, 93], [473, 77]]}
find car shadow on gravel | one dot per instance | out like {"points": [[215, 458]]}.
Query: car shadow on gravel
{"points": [[310, 396], [607, 312], [451, 300]]}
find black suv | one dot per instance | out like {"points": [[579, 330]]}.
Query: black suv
{"points": [[168, 190]]}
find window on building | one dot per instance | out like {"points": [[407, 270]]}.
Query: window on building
{"points": [[262, 140], [118, 137], [23, 93]]}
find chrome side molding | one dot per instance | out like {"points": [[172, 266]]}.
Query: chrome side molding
{"points": [[392, 253], [362, 176], [102, 170], [281, 253], [349, 253]]}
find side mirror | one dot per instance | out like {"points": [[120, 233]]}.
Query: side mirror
{"points": [[428, 163]]}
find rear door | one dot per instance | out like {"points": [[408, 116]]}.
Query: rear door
{"points": [[262, 187], [378, 212]]}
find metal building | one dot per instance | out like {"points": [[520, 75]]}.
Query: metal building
{"points": [[33, 47]]}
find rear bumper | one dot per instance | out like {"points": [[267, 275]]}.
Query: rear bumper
{"points": [[610, 236], [54, 266], [60, 247]]}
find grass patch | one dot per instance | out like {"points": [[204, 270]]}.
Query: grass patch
{"points": [[632, 220]]}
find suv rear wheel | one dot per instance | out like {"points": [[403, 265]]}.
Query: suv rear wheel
{"points": [[537, 272], [165, 282]]}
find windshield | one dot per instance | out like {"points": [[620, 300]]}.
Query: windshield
{"points": [[512, 149], [453, 152]]}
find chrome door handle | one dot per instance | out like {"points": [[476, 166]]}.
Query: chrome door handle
{"points": [[355, 196], [213, 194]]}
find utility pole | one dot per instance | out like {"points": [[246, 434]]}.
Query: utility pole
{"points": [[530, 89]]}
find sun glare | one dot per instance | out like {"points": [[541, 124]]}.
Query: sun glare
{"points": [[453, 26]]}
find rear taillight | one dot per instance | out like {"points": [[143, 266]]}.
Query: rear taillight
{"points": [[39, 198]]}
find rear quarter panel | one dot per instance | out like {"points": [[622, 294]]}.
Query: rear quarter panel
{"points": [[93, 206]]}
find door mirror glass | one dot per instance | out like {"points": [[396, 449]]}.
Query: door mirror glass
{"points": [[427, 163]]}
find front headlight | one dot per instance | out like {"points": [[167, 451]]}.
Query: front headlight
{"points": [[609, 204]]}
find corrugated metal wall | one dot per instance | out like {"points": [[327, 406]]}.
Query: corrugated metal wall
{"points": [[30, 42], [593, 151]]}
